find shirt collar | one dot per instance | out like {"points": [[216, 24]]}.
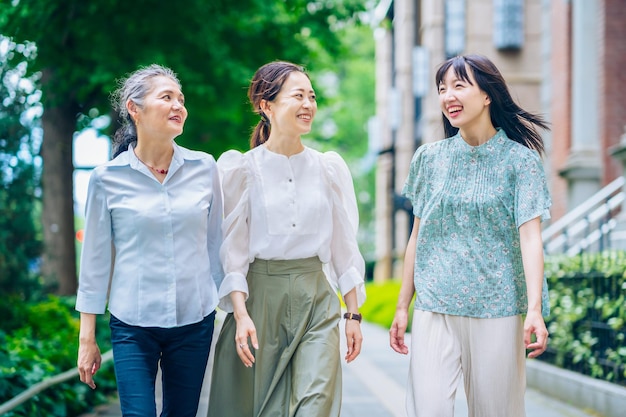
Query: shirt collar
{"points": [[128, 157]]}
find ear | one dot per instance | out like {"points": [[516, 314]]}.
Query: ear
{"points": [[487, 100], [132, 109], [265, 106]]}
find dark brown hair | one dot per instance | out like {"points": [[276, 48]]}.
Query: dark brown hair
{"points": [[265, 85], [518, 124]]}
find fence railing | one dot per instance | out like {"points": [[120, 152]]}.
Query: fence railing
{"points": [[588, 226], [45, 384], [586, 331]]}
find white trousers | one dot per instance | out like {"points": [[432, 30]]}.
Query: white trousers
{"points": [[488, 353]]}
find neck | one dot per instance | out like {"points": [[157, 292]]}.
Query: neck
{"points": [[477, 137], [156, 156], [284, 146]]}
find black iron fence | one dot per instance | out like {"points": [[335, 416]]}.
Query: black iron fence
{"points": [[587, 323]]}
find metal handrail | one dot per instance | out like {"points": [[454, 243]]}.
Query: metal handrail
{"points": [[45, 384], [584, 225], [580, 211]]}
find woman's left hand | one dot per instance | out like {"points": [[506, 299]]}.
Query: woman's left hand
{"points": [[354, 338], [534, 324]]}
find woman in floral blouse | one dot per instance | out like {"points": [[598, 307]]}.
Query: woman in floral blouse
{"points": [[475, 257]]}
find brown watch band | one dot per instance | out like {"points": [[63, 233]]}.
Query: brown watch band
{"points": [[353, 316]]}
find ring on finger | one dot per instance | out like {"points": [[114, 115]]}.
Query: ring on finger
{"points": [[241, 345]]}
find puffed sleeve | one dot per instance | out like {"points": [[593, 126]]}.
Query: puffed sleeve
{"points": [[415, 187], [532, 198], [97, 252], [347, 264], [234, 252]]}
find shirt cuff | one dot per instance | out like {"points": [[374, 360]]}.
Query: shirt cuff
{"points": [[352, 279], [90, 304], [234, 281]]}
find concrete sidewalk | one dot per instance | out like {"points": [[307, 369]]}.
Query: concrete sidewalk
{"points": [[374, 385]]}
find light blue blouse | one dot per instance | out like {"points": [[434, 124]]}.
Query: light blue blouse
{"points": [[156, 245], [471, 201]]}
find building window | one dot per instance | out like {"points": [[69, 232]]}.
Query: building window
{"points": [[454, 27], [508, 24]]}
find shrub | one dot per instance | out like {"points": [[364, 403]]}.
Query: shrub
{"points": [[43, 346]]}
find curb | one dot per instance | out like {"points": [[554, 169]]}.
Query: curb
{"points": [[590, 394]]}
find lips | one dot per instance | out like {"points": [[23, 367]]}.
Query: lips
{"points": [[454, 110], [305, 117], [177, 119]]}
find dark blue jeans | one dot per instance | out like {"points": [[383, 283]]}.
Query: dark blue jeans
{"points": [[183, 352]]}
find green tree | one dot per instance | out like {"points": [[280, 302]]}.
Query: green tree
{"points": [[215, 46], [346, 97], [20, 243]]}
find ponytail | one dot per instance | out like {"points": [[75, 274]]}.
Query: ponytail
{"points": [[261, 132]]}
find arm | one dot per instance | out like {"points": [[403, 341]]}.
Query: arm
{"points": [[233, 291], [407, 290], [245, 328], [353, 327], [95, 276], [347, 262], [89, 358], [532, 258]]}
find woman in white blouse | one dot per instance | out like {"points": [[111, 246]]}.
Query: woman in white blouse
{"points": [[151, 249], [290, 226]]}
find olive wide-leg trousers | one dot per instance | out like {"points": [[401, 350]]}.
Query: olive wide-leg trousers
{"points": [[297, 372]]}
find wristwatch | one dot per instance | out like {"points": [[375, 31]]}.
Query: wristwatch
{"points": [[353, 316]]}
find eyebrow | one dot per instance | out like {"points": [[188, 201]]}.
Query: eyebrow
{"points": [[301, 89], [168, 91]]}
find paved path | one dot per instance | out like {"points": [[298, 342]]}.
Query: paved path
{"points": [[373, 386]]}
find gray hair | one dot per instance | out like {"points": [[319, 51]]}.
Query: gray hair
{"points": [[135, 87]]}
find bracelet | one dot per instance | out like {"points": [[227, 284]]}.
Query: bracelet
{"points": [[353, 316]]}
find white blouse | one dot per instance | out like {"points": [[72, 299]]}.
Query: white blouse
{"points": [[278, 208]]}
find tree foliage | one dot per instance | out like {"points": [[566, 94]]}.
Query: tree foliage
{"points": [[214, 46], [20, 241]]}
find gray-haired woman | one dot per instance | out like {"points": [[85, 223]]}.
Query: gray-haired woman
{"points": [[151, 249]]}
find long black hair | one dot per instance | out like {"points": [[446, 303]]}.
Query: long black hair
{"points": [[518, 124]]}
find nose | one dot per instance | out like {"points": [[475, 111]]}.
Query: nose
{"points": [[309, 102], [448, 95], [179, 106]]}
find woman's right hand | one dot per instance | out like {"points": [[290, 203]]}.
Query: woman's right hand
{"points": [[245, 330], [89, 361], [396, 333]]}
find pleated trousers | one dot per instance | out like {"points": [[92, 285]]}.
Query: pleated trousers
{"points": [[489, 355], [297, 372]]}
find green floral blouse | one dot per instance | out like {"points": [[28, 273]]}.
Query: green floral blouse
{"points": [[471, 201]]}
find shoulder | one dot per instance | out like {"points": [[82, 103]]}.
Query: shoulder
{"points": [[120, 161], [515, 148], [334, 163], [191, 155], [332, 157], [231, 160], [432, 150]]}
